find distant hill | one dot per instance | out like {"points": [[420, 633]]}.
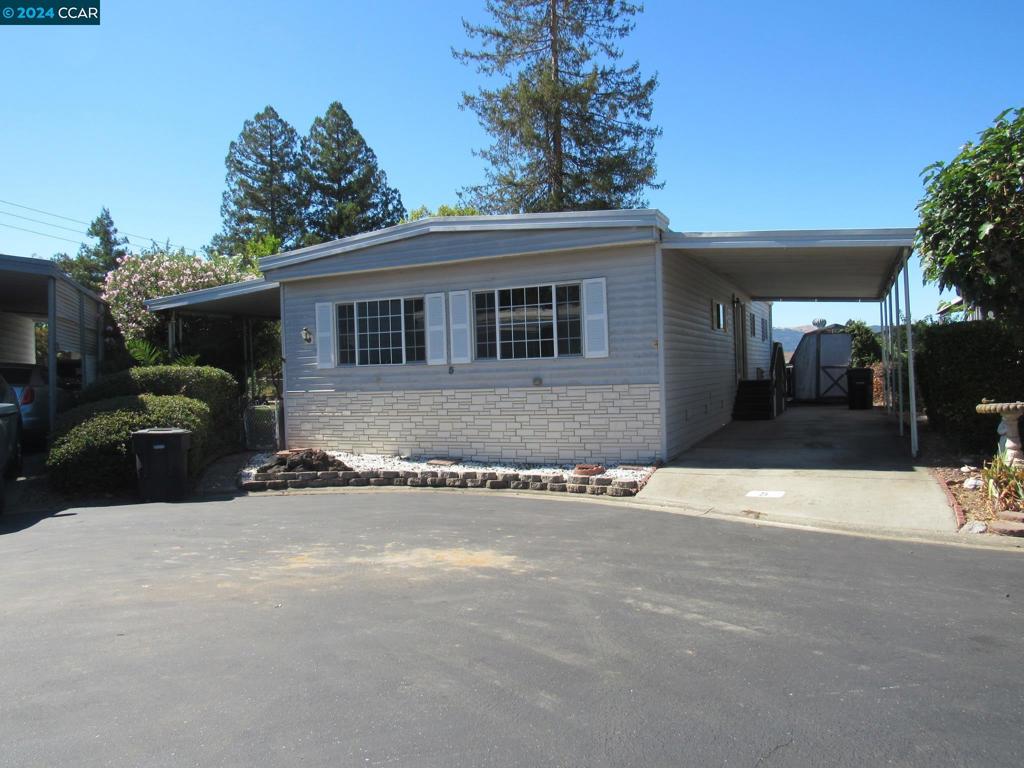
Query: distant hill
{"points": [[790, 337]]}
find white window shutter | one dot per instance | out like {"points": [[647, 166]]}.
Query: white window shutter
{"points": [[595, 318], [324, 335], [437, 348], [458, 305]]}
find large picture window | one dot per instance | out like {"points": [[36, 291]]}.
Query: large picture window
{"points": [[526, 323], [381, 332]]}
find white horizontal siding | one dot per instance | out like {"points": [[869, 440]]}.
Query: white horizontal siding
{"points": [[758, 351], [700, 362], [69, 338], [17, 339], [632, 323]]}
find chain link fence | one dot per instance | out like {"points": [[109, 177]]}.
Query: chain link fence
{"points": [[262, 422]]}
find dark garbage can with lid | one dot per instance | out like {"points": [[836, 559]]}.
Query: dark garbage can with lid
{"points": [[860, 386], [161, 462]]}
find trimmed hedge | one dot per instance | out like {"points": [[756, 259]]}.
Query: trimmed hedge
{"points": [[95, 454], [217, 388], [961, 363]]}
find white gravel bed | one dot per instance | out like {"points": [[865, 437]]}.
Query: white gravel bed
{"points": [[361, 462]]}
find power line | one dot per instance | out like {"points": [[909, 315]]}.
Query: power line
{"points": [[44, 234], [59, 226], [45, 223], [87, 223]]}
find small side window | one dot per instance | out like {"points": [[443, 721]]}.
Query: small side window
{"points": [[764, 329], [717, 316], [753, 325]]}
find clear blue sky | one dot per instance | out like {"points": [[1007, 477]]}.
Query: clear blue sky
{"points": [[775, 115]]}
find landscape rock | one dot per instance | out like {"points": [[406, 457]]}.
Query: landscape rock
{"points": [[975, 526]]}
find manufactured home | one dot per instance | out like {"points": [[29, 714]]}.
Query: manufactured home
{"points": [[587, 336]]}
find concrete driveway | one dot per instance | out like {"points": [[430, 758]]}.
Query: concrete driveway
{"points": [[816, 464], [436, 628]]}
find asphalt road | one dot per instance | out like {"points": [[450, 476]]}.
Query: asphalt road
{"points": [[428, 628]]}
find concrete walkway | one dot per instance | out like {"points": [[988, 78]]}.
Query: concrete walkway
{"points": [[818, 465]]}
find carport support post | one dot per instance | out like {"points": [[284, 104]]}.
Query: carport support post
{"points": [[911, 382], [172, 331], [51, 354], [899, 351], [885, 355], [892, 352]]}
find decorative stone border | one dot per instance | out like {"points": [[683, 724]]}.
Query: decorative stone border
{"points": [[595, 486]]}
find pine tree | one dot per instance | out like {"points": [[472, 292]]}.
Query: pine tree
{"points": [[347, 192], [264, 192], [571, 129], [92, 263]]}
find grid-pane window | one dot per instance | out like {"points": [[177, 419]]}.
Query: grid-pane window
{"points": [[346, 334], [753, 325], [570, 322], [764, 329], [526, 322], [380, 332], [415, 331], [485, 324]]}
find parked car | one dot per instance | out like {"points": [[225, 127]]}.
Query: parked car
{"points": [[33, 397], [10, 436]]}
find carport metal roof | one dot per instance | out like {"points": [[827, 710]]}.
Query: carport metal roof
{"points": [[258, 298], [807, 265], [24, 285]]}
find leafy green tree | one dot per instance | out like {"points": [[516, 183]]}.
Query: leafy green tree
{"points": [[92, 263], [347, 192], [571, 128], [866, 347], [264, 191], [442, 210], [971, 235]]}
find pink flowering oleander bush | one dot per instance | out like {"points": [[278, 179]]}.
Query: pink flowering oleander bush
{"points": [[154, 274]]}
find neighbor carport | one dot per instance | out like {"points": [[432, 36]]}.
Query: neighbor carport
{"points": [[35, 290]]}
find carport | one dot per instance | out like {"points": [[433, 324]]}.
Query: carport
{"points": [[35, 290], [817, 464], [823, 265], [256, 299]]}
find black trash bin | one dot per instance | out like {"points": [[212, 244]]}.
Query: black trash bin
{"points": [[161, 462], [860, 388]]}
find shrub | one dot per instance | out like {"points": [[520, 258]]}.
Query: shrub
{"points": [[961, 363], [75, 416], [95, 453], [217, 388]]}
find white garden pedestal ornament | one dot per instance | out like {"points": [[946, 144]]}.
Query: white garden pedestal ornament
{"points": [[1008, 428]]}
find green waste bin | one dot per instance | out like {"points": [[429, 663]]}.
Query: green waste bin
{"points": [[860, 388], [161, 462]]}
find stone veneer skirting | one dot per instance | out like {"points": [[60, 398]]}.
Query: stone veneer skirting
{"points": [[605, 423]]}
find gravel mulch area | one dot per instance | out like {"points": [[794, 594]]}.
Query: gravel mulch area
{"points": [[960, 473]]}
